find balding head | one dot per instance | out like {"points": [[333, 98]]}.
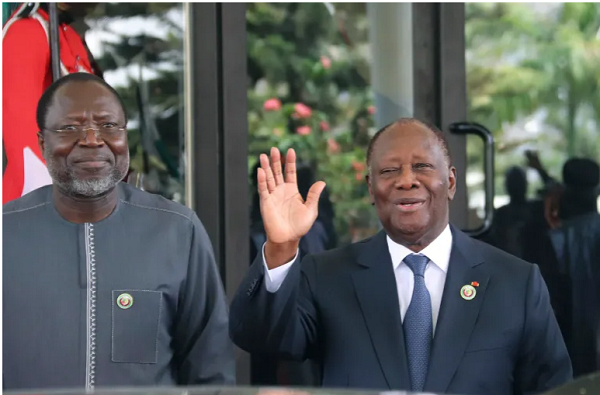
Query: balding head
{"points": [[403, 122], [47, 99]]}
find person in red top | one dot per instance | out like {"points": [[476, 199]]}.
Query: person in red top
{"points": [[26, 73]]}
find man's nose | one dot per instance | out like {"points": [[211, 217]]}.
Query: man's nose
{"points": [[91, 138], [406, 179]]}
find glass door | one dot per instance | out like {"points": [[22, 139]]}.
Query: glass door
{"points": [[141, 50]]}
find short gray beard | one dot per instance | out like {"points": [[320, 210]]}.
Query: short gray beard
{"points": [[68, 181]]}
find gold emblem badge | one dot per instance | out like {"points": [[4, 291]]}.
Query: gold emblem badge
{"points": [[125, 301], [468, 292]]}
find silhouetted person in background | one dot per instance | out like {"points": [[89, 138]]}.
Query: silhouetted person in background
{"points": [[573, 217], [509, 220], [535, 243], [519, 227]]}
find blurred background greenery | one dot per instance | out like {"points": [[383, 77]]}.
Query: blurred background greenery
{"points": [[533, 73]]}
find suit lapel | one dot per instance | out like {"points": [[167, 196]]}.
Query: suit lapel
{"points": [[457, 316], [375, 286]]}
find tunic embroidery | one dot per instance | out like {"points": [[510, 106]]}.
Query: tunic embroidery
{"points": [[90, 366]]}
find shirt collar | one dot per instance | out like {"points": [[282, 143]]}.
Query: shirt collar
{"points": [[438, 251]]}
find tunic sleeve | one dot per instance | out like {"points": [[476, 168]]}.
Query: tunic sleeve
{"points": [[203, 350]]}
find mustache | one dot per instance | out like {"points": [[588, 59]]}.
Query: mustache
{"points": [[93, 158]]}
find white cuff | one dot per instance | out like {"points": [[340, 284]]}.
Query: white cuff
{"points": [[274, 277]]}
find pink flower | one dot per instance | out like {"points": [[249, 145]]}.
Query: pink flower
{"points": [[372, 110], [303, 130], [358, 166], [278, 132], [359, 177], [302, 110], [324, 126], [272, 105], [332, 146], [326, 62]]}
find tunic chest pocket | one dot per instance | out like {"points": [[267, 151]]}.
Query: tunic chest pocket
{"points": [[135, 321]]}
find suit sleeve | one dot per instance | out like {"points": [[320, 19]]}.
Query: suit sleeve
{"points": [[544, 362], [25, 62], [203, 350], [284, 322]]}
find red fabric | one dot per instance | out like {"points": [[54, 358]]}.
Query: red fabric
{"points": [[26, 73]]}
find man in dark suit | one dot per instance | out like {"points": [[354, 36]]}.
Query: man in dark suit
{"points": [[420, 306]]}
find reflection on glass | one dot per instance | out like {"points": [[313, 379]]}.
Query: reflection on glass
{"points": [[532, 79], [139, 47], [309, 88]]}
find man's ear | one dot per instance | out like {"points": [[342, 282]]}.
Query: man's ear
{"points": [[41, 142], [451, 183], [371, 197]]}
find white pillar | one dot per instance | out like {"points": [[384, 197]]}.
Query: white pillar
{"points": [[390, 36]]}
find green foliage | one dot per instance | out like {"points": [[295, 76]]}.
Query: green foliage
{"points": [[535, 59]]}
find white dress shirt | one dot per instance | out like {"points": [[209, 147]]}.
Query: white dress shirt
{"points": [[438, 252]]}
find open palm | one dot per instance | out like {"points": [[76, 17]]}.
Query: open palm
{"points": [[286, 216]]}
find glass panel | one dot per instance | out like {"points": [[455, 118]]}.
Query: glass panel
{"points": [[532, 79], [311, 79], [140, 49]]}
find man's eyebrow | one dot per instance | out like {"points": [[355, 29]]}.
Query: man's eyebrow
{"points": [[72, 117], [106, 115]]}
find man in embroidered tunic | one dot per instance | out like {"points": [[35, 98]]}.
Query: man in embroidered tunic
{"points": [[120, 287]]}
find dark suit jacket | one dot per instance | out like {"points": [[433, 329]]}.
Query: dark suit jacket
{"points": [[341, 306]]}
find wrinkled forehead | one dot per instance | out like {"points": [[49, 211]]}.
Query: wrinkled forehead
{"points": [[408, 139], [84, 99]]}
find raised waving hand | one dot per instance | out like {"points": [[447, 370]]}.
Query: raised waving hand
{"points": [[286, 216]]}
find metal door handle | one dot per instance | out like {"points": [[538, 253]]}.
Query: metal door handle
{"points": [[488, 168]]}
